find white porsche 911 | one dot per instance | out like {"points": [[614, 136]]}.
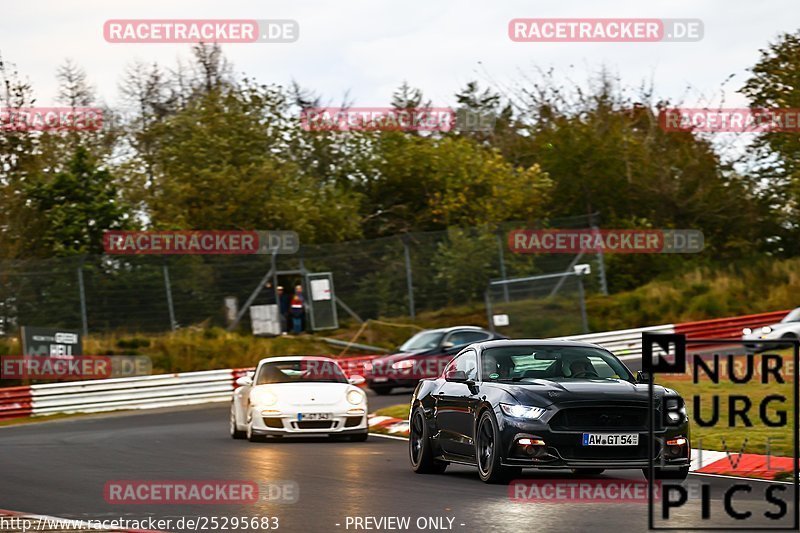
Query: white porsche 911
{"points": [[302, 396], [787, 329]]}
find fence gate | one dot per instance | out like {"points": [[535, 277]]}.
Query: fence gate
{"points": [[321, 301]]}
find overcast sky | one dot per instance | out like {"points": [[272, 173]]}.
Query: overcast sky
{"points": [[368, 47]]}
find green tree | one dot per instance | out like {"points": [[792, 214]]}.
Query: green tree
{"points": [[775, 84], [418, 183], [76, 206]]}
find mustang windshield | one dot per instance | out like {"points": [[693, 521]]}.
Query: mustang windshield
{"points": [[556, 363], [310, 371]]}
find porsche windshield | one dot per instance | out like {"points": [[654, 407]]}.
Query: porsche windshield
{"points": [[311, 371], [557, 363]]}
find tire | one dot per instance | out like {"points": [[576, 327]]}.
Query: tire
{"points": [[254, 437], [679, 474], [588, 471], [359, 437], [381, 391], [235, 433], [488, 454], [788, 337], [419, 446]]}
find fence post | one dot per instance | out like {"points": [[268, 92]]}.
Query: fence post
{"points": [[502, 263], [601, 267], [582, 296], [409, 277], [82, 290], [168, 287]]}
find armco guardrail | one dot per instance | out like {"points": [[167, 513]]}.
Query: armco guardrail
{"points": [[164, 390], [15, 402], [625, 343], [728, 328]]}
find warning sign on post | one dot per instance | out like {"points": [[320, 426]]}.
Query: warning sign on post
{"points": [[49, 342]]}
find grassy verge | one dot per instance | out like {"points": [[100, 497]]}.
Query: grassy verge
{"points": [[400, 411], [722, 435], [395, 411]]}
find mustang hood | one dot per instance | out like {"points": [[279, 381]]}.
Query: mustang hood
{"points": [[542, 392]]}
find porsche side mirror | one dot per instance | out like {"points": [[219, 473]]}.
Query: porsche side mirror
{"points": [[244, 381], [642, 377], [447, 345]]}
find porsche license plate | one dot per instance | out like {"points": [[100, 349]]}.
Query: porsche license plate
{"points": [[610, 439], [314, 416]]}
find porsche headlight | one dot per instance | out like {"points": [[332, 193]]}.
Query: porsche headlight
{"points": [[402, 365], [355, 397], [263, 397], [766, 329], [522, 411], [747, 331]]}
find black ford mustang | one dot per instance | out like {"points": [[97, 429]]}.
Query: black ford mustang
{"points": [[511, 404]]}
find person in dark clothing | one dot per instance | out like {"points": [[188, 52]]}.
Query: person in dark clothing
{"points": [[283, 309]]}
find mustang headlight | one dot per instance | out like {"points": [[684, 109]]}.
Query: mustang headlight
{"points": [[263, 397], [766, 329], [522, 411], [676, 409], [747, 331], [355, 397]]}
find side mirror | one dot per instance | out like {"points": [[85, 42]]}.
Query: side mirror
{"points": [[447, 345], [642, 377], [244, 381], [357, 380], [456, 375]]}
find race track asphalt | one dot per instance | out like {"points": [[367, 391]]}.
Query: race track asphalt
{"points": [[60, 468]]}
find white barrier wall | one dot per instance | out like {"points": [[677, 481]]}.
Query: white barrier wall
{"points": [[144, 392]]}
